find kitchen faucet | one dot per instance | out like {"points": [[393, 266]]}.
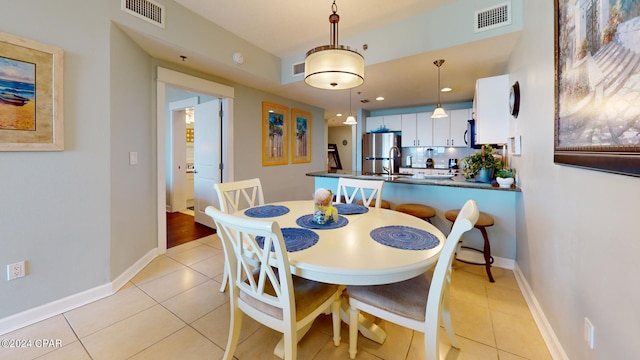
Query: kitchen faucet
{"points": [[392, 160]]}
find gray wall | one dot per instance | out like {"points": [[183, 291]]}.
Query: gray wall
{"points": [[577, 229], [133, 187], [56, 206], [83, 216]]}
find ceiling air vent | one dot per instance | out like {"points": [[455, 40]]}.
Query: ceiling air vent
{"points": [[493, 17], [145, 10], [298, 69]]}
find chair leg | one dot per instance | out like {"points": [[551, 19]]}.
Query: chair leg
{"points": [[431, 350], [290, 346], [487, 253], [353, 332], [335, 314], [446, 318], [235, 324], [225, 279]]}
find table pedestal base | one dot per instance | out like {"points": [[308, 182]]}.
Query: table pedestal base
{"points": [[366, 327]]}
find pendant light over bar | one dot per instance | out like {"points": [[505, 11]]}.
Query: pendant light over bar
{"points": [[350, 119], [334, 66], [439, 111]]}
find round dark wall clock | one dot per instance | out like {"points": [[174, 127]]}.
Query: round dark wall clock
{"points": [[514, 99], [344, 142]]}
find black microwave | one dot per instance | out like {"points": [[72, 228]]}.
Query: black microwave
{"points": [[470, 136]]}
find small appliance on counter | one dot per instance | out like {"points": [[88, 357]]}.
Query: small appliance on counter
{"points": [[408, 162], [453, 163], [429, 162]]}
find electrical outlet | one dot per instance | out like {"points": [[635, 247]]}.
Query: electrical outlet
{"points": [[15, 270], [589, 333]]}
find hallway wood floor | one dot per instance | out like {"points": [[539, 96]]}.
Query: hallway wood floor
{"points": [[181, 228]]}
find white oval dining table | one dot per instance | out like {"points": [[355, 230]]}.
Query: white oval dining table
{"points": [[349, 256]]}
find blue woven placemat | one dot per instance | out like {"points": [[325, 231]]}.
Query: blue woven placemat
{"points": [[350, 209], [306, 221], [266, 211], [295, 239], [404, 237]]}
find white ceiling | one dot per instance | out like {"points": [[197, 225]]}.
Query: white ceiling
{"points": [[289, 27]]}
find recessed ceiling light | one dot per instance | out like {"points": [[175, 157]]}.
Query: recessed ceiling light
{"points": [[446, 89], [338, 114], [380, 98]]}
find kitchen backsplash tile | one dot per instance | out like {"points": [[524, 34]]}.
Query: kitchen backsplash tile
{"points": [[441, 155]]}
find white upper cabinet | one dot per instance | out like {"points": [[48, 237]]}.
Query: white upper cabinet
{"points": [[419, 129], [449, 131], [374, 123], [458, 120], [416, 129], [409, 136], [424, 129], [491, 107], [441, 132], [391, 122]]}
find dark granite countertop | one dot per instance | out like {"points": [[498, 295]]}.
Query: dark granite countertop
{"points": [[454, 181]]}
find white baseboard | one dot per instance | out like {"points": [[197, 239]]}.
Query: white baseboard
{"points": [[57, 307], [128, 274], [42, 312], [503, 263], [549, 336]]}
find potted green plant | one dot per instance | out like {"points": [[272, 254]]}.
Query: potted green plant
{"points": [[505, 177], [481, 165]]}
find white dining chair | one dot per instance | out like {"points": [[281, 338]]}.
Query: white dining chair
{"points": [[418, 303], [266, 291], [234, 196], [357, 189]]}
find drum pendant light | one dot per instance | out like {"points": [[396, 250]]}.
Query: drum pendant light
{"points": [[334, 66], [439, 111]]}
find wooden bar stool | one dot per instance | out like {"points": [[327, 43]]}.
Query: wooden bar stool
{"points": [[423, 212], [384, 204], [484, 220]]}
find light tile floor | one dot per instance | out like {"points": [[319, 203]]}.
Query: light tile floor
{"points": [[172, 309]]}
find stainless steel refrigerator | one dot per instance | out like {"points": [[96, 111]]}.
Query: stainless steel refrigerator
{"points": [[376, 152]]}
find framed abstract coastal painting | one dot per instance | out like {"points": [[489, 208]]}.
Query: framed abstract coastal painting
{"points": [[597, 87], [31, 76], [274, 134], [300, 136]]}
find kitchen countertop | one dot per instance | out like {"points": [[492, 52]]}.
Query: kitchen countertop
{"points": [[457, 180]]}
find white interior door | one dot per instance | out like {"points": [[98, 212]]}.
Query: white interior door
{"points": [[177, 178], [206, 159]]}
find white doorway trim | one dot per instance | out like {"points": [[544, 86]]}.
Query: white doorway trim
{"points": [[190, 83]]}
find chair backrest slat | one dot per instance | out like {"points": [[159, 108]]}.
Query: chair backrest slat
{"points": [[238, 195], [442, 273], [256, 271], [357, 189]]}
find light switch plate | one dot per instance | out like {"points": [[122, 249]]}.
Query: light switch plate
{"points": [[133, 158]]}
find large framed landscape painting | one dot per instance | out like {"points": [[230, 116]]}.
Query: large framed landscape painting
{"points": [[30, 95], [597, 54], [274, 134], [301, 136]]}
